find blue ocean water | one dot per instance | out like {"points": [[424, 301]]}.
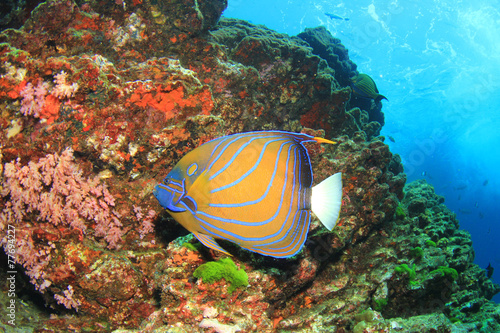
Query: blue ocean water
{"points": [[438, 63]]}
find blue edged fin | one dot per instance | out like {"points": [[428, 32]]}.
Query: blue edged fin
{"points": [[326, 199], [209, 242]]}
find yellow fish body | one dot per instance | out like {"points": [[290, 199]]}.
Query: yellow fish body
{"points": [[253, 189]]}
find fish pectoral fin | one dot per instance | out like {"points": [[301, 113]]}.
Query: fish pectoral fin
{"points": [[190, 203], [210, 242]]}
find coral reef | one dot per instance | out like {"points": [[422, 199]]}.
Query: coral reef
{"points": [[368, 113], [100, 100], [331, 49], [443, 279]]}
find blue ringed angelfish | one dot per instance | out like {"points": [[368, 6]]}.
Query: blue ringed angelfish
{"points": [[253, 189]]}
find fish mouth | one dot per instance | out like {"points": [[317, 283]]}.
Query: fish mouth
{"points": [[165, 197]]}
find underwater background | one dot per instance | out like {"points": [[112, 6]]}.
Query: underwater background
{"points": [[103, 103], [438, 63]]}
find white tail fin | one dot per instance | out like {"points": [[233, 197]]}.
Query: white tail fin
{"points": [[326, 199]]}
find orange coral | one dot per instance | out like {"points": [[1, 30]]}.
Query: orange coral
{"points": [[168, 99], [85, 22], [177, 135], [50, 110], [10, 90]]}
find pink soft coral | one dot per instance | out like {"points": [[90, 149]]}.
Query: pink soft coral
{"points": [[54, 189], [41, 102], [147, 225], [33, 99], [67, 300]]}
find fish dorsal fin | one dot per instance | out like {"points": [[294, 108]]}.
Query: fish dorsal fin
{"points": [[210, 242], [326, 199]]}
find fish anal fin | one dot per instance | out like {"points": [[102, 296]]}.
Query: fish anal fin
{"points": [[271, 252], [210, 242]]}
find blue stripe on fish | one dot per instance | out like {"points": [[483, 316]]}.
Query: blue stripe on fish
{"points": [[249, 202], [248, 172], [243, 204]]}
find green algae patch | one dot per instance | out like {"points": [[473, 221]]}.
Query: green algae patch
{"points": [[400, 213], [417, 252], [191, 246], [380, 304], [224, 268], [430, 243], [405, 269], [446, 271]]}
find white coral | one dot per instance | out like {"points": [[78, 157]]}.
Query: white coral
{"points": [[14, 73], [218, 327], [62, 89]]}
